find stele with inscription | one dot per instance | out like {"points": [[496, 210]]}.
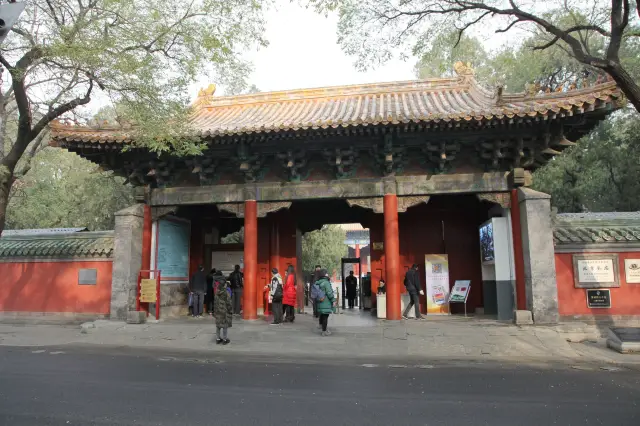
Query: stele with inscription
{"points": [[632, 271], [595, 271]]}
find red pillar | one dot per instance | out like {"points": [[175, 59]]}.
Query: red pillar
{"points": [[250, 259], [392, 256], [356, 268], [521, 296], [274, 249], [146, 239]]}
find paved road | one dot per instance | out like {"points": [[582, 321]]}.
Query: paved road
{"points": [[84, 386]]}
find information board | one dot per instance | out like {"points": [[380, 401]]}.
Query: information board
{"points": [[437, 279], [460, 291], [173, 249], [599, 298], [148, 290], [632, 271]]}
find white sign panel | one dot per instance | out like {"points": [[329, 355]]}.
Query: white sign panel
{"points": [[460, 291], [595, 271], [632, 270]]}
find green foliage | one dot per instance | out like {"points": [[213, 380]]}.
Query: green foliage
{"points": [[64, 190], [324, 247], [601, 173]]}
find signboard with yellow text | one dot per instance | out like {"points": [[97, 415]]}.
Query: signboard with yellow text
{"points": [[437, 280]]}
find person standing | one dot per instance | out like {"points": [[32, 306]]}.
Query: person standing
{"points": [[314, 278], [352, 289], [237, 284], [323, 294], [198, 288], [277, 295], [412, 283], [289, 298], [208, 298], [223, 312]]}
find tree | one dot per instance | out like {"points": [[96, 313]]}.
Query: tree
{"points": [[138, 54], [591, 31], [65, 190], [324, 247], [234, 237]]}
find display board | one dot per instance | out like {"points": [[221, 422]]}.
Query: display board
{"points": [[460, 291], [598, 298], [173, 238], [632, 271], [437, 279], [225, 261], [148, 293]]}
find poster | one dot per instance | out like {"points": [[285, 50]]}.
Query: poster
{"points": [[632, 271], [173, 249], [437, 279], [460, 291]]}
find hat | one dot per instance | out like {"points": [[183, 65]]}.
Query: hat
{"points": [[274, 271]]}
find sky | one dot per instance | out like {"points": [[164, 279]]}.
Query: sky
{"points": [[303, 53]]}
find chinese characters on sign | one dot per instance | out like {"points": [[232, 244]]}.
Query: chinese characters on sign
{"points": [[437, 279], [148, 290], [599, 298], [632, 271], [596, 271]]}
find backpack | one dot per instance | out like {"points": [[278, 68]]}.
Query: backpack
{"points": [[278, 294], [317, 293]]}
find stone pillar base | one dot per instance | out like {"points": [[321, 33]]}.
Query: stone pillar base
{"points": [[523, 318], [136, 317]]}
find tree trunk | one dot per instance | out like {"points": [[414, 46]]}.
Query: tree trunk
{"points": [[627, 84], [6, 177]]}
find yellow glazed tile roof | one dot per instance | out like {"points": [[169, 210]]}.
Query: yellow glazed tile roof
{"points": [[459, 99]]}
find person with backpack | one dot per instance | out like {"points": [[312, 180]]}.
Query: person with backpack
{"points": [[223, 312], [237, 283], [289, 298], [277, 295], [322, 293], [314, 278]]}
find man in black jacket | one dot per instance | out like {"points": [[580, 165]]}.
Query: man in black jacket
{"points": [[237, 284], [412, 283], [198, 288]]}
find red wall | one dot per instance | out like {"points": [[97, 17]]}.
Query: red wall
{"points": [[421, 233], [625, 300], [53, 287]]}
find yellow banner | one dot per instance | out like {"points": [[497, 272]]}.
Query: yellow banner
{"points": [[437, 279], [148, 290]]}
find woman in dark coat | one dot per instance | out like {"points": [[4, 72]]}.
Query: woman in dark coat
{"points": [[223, 312]]}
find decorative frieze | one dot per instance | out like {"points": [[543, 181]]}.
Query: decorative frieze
{"points": [[376, 204], [502, 198], [237, 209]]}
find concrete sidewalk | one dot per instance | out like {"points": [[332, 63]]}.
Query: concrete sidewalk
{"points": [[354, 336]]}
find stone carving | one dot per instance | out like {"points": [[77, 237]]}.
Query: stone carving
{"points": [[162, 211], [376, 204], [405, 202], [502, 198], [263, 208]]}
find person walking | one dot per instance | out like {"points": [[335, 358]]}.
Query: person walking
{"points": [[223, 313], [322, 292], [237, 284], [198, 288], [352, 289], [276, 296], [290, 294], [314, 278], [412, 283]]}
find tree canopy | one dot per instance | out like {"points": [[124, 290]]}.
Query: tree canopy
{"points": [[324, 247], [138, 54], [595, 33]]}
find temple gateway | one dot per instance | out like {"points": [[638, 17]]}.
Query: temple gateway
{"points": [[426, 165]]}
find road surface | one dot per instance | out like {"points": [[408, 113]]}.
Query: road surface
{"points": [[85, 386]]}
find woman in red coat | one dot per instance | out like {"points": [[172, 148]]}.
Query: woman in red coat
{"points": [[289, 296]]}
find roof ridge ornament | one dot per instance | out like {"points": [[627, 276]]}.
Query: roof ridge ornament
{"points": [[205, 95], [464, 69]]}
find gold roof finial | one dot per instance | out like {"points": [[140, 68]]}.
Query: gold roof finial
{"points": [[463, 69], [209, 91]]}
